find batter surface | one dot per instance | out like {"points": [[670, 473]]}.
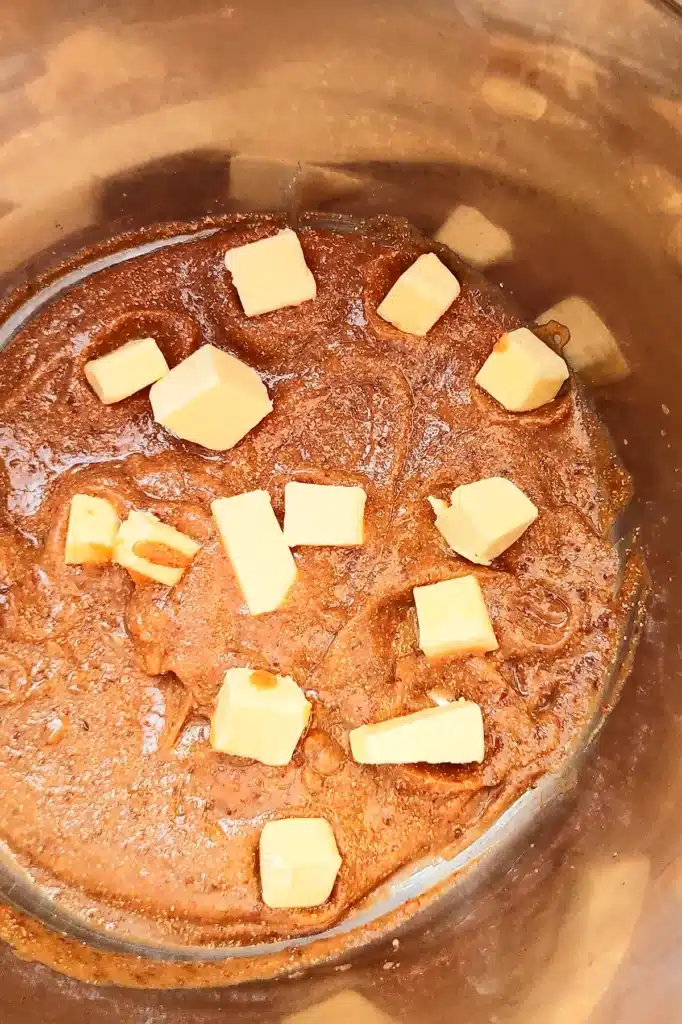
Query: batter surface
{"points": [[112, 796]]}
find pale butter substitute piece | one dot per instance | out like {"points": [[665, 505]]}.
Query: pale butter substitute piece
{"points": [[126, 370], [453, 619], [150, 548], [449, 734], [476, 239], [92, 529], [420, 296], [299, 862], [326, 515], [259, 715], [347, 1005], [592, 350], [513, 99], [521, 372], [210, 398], [254, 543], [271, 273], [485, 518]]}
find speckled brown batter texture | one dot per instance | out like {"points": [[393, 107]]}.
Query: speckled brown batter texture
{"points": [[112, 796]]}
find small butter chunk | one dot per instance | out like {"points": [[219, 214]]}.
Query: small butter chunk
{"points": [[476, 239], [92, 529], [326, 515], [128, 369], [254, 543], [150, 548], [259, 715], [521, 372], [485, 518], [346, 1005], [453, 619], [299, 862], [449, 734], [512, 98], [271, 273], [439, 506], [210, 398], [420, 296], [592, 350]]}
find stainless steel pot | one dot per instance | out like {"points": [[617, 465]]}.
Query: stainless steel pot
{"points": [[560, 124]]}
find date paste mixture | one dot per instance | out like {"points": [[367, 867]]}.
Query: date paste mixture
{"points": [[112, 796]]}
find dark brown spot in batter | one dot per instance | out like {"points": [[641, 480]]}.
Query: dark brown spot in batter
{"points": [[263, 680]]}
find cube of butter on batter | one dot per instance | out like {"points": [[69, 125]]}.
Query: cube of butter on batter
{"points": [[299, 862], [259, 715], [126, 370], [325, 515], [210, 398], [150, 548], [453, 619], [449, 734], [255, 545], [521, 372], [271, 273], [92, 529], [485, 518], [420, 296]]}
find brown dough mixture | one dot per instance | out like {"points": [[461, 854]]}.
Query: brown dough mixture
{"points": [[112, 796]]}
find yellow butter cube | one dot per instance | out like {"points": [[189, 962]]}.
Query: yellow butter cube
{"points": [[325, 515], [92, 529], [453, 619], [254, 543], [299, 862], [126, 370], [210, 398], [521, 372], [259, 715], [449, 734], [147, 547], [347, 1005], [420, 296], [271, 273], [592, 350], [470, 234], [485, 518]]}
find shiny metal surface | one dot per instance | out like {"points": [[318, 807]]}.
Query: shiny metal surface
{"points": [[561, 124]]}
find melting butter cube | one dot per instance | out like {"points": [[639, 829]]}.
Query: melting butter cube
{"points": [[259, 715], [271, 273], [420, 296], [453, 619], [476, 239], [592, 350], [210, 398], [147, 547], [325, 515], [521, 372], [254, 543], [126, 370], [512, 98], [485, 518], [92, 529], [347, 1005], [299, 862], [449, 734]]}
